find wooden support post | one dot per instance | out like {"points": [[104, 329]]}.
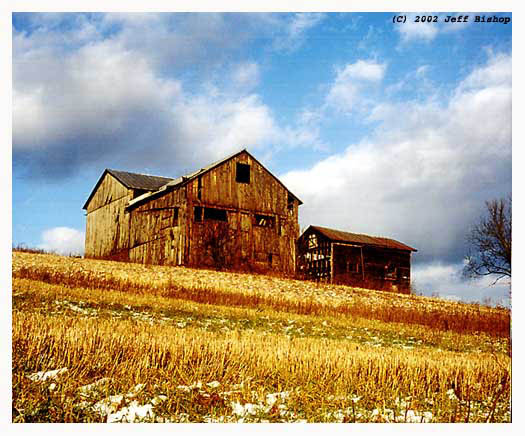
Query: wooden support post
{"points": [[331, 262], [362, 265]]}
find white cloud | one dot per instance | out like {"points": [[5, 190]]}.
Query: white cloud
{"points": [[423, 176], [366, 70], [114, 87], [102, 101], [446, 281], [497, 73], [345, 93], [422, 70], [92, 90], [295, 30], [430, 28], [412, 30], [246, 75], [111, 87], [63, 240], [218, 126]]}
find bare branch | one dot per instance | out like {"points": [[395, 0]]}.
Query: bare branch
{"points": [[490, 242]]}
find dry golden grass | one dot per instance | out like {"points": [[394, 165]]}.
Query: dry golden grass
{"points": [[43, 297], [252, 341], [233, 289], [136, 352]]}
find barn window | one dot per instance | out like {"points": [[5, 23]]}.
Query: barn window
{"points": [[197, 214], [242, 174], [352, 267], [175, 216], [390, 272], [138, 192], [312, 240], [165, 218], [290, 202], [264, 221], [404, 273], [199, 188], [215, 214]]}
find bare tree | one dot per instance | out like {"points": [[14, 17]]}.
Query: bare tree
{"points": [[490, 242]]}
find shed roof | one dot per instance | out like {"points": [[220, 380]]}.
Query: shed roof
{"points": [[139, 181], [132, 181], [360, 239]]}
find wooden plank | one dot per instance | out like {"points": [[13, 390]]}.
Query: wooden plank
{"points": [[150, 237], [331, 263]]}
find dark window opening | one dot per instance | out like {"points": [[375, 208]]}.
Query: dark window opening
{"points": [[197, 214], [270, 258], [199, 187], [390, 272], [404, 273], [138, 192], [242, 174], [215, 214], [312, 241], [352, 267], [169, 217], [264, 221], [282, 225], [290, 202]]}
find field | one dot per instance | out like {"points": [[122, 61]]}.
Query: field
{"points": [[101, 341]]}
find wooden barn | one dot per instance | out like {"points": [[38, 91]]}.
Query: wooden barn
{"points": [[335, 256], [233, 214]]}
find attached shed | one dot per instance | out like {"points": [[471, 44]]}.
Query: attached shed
{"points": [[107, 223], [335, 256], [233, 214]]}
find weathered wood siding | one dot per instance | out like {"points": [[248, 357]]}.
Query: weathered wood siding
{"points": [[245, 245], [107, 223], [314, 257], [384, 268], [364, 266], [249, 224], [263, 194], [157, 230]]}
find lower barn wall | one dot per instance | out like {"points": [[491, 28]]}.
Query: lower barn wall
{"points": [[107, 230], [383, 269], [157, 231], [240, 244], [165, 231]]}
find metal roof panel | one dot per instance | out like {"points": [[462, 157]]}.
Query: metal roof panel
{"points": [[357, 238]]}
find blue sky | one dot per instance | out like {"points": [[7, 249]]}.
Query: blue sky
{"points": [[399, 130]]}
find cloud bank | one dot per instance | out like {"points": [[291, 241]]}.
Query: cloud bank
{"points": [[425, 172], [63, 240], [119, 87]]}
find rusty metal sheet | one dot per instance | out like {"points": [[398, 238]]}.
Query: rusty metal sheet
{"points": [[356, 238]]}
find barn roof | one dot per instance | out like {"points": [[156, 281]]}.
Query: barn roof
{"points": [[184, 179], [139, 181], [132, 181], [360, 239]]}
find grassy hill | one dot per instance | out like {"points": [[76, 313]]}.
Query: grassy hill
{"points": [[101, 341]]}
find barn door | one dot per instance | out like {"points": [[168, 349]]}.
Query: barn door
{"points": [[246, 248]]}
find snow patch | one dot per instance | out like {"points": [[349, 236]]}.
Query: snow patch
{"points": [[132, 412], [44, 375], [86, 390]]}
